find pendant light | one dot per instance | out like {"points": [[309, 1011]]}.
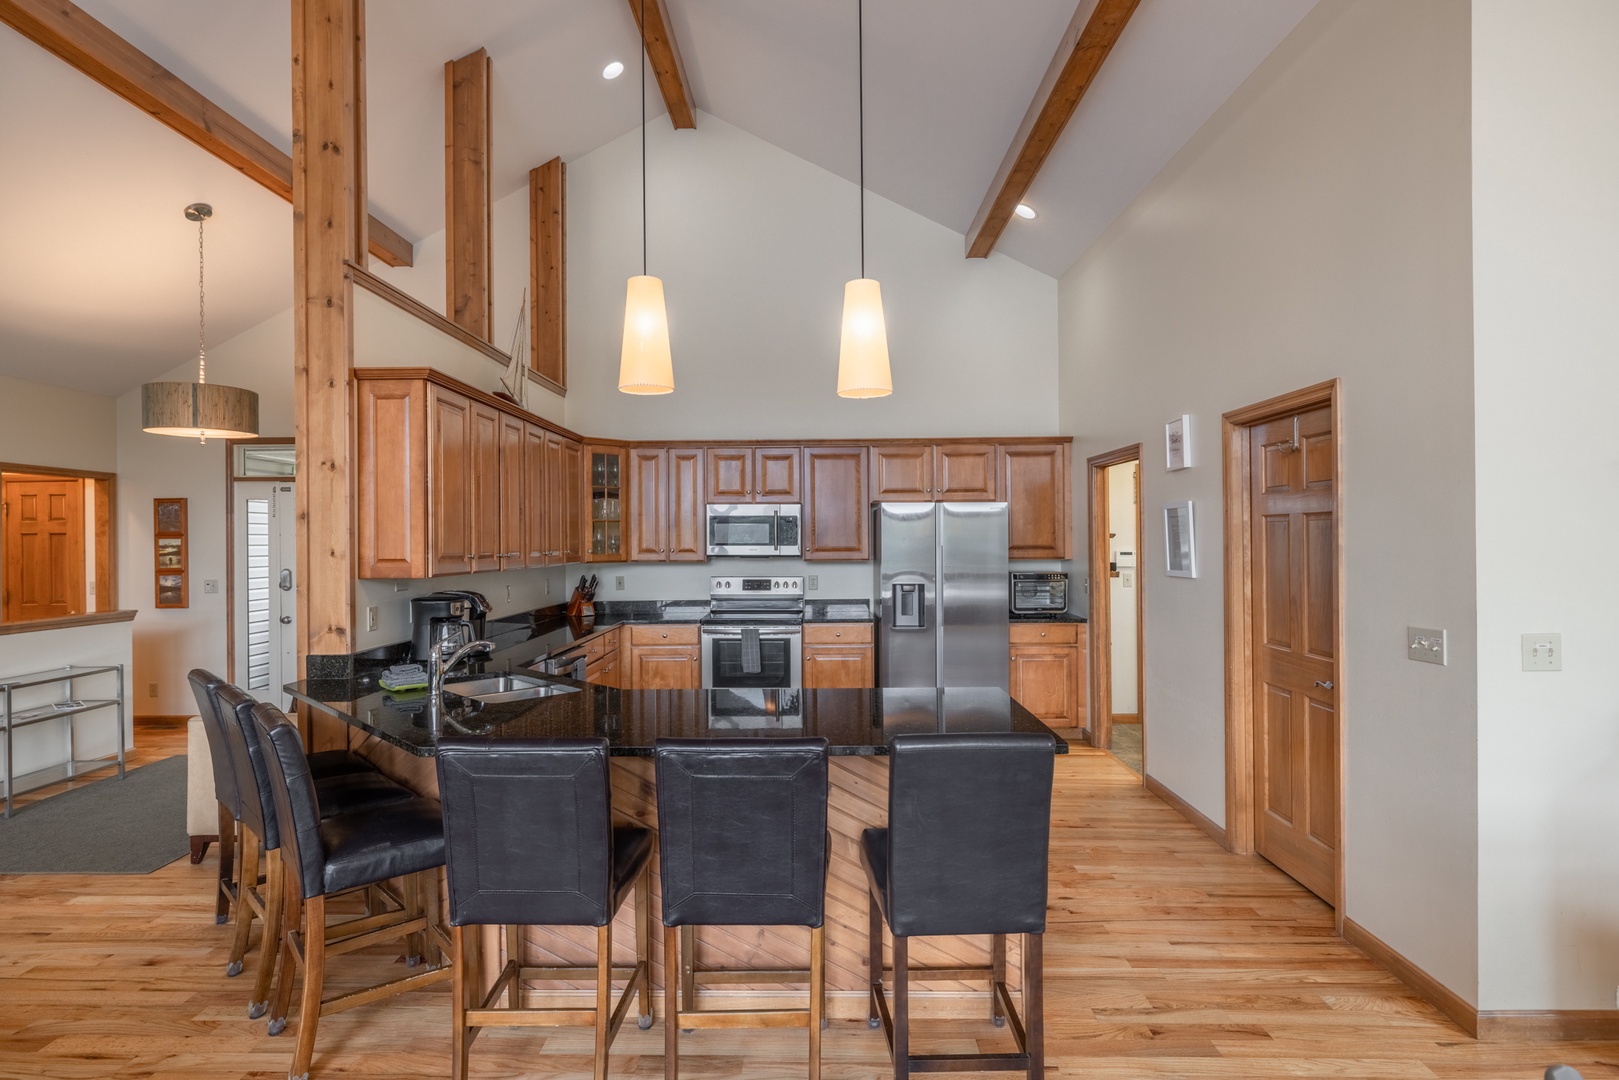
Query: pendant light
{"points": [[645, 365], [863, 352], [200, 409]]}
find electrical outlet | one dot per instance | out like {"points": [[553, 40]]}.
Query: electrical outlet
{"points": [[618, 583], [151, 689], [371, 618], [508, 594], [210, 585], [1424, 645], [1543, 652], [547, 586], [814, 582]]}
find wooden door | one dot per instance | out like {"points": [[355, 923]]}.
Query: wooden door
{"points": [[44, 549], [902, 473], [511, 546], [1034, 483], [664, 667], [730, 474], [775, 475], [1295, 616], [536, 536], [687, 534], [649, 505], [965, 472], [450, 482], [837, 508]]}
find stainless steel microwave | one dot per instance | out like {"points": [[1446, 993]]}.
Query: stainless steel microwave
{"points": [[1034, 593], [755, 529]]}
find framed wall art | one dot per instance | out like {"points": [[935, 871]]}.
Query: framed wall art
{"points": [[1178, 444], [169, 553], [1180, 543]]}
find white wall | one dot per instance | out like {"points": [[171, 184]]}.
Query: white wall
{"points": [[52, 425], [1317, 227], [42, 746], [1545, 228]]}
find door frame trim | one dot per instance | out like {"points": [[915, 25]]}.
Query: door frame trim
{"points": [[1241, 810], [230, 536], [1099, 631]]}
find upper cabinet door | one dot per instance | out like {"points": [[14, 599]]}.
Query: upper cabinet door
{"points": [[573, 501], [510, 547], [536, 535], [1034, 483], [836, 504], [730, 474], [903, 473], [390, 419], [606, 502], [450, 437], [687, 513], [649, 505], [485, 488], [775, 475], [965, 472]]}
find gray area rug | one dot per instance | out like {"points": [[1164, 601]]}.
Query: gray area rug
{"points": [[112, 826]]}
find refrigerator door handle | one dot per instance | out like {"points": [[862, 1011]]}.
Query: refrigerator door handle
{"points": [[909, 611]]}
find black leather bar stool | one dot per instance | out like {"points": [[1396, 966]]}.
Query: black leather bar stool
{"points": [[349, 851], [742, 842], [205, 688], [338, 793], [965, 852], [529, 840]]}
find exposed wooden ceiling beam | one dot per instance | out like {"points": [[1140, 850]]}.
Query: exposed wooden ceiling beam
{"points": [[666, 66], [468, 228], [69, 32], [1085, 44]]}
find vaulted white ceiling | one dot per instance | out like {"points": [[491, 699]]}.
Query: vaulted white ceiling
{"points": [[97, 280]]}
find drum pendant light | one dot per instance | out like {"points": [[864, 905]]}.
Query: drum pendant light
{"points": [[645, 365], [200, 409], [863, 352]]}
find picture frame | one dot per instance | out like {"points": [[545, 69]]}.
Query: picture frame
{"points": [[1178, 444], [171, 586], [1180, 541]]}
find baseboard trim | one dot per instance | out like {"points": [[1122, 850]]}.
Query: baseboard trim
{"points": [[1425, 986], [157, 720], [1187, 811], [1581, 1025], [1126, 718]]}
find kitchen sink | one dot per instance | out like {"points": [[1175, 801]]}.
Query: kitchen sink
{"points": [[498, 688]]}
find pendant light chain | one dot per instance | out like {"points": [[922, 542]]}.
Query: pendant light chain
{"points": [[860, 61], [202, 356], [643, 138]]}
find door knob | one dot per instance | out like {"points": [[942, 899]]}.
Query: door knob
{"points": [[1324, 685], [286, 620], [286, 581]]}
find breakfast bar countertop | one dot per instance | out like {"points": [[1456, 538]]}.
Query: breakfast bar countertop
{"points": [[854, 722]]}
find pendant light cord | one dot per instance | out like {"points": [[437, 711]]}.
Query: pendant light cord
{"points": [[860, 62], [643, 138], [202, 356]]}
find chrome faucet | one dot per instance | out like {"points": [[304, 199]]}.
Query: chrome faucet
{"points": [[446, 654]]}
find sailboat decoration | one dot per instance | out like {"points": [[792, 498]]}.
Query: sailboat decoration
{"points": [[516, 378]]}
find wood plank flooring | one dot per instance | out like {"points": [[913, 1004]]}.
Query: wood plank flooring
{"points": [[1165, 957]]}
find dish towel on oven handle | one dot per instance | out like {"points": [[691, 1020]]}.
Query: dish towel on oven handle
{"points": [[751, 664]]}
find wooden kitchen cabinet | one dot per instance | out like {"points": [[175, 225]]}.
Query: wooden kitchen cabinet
{"points": [[607, 484], [837, 517], [449, 481], [486, 488], [688, 509], [1048, 671], [391, 419], [667, 508], [902, 473], [603, 664], [934, 472], [511, 535], [754, 474], [838, 656], [1035, 484], [564, 474], [965, 472], [664, 658], [535, 507]]}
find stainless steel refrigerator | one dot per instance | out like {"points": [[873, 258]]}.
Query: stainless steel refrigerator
{"points": [[941, 593]]}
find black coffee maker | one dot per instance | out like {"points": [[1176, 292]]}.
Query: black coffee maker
{"points": [[450, 604]]}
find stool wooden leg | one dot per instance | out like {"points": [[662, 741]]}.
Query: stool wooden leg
{"points": [[902, 1013], [430, 909], [817, 1002], [415, 944], [643, 943], [314, 983], [688, 968], [275, 888], [514, 955], [244, 907], [227, 864], [997, 975], [292, 921], [671, 1006], [458, 1003], [1034, 1005], [874, 950]]}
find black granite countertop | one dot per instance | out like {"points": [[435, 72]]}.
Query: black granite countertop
{"points": [[854, 722], [850, 611], [1049, 616]]}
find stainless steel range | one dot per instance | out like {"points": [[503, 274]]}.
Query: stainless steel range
{"points": [[754, 634]]}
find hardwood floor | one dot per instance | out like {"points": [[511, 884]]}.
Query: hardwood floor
{"points": [[1165, 957]]}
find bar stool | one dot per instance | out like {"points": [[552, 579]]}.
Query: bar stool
{"points": [[349, 851], [337, 793], [965, 852], [742, 842], [529, 841], [204, 686]]}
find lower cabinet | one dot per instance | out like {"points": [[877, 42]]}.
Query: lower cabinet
{"points": [[603, 665], [664, 658], [838, 656], [1048, 671]]}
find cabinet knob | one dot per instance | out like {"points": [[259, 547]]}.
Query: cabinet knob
{"points": [[665, 635], [837, 633], [1042, 633]]}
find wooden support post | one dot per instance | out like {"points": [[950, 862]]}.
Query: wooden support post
{"points": [[547, 270], [467, 205], [328, 229]]}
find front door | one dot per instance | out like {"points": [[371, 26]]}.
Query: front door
{"points": [[265, 549], [43, 548], [1295, 616]]}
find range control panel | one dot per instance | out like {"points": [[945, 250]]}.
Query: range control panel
{"points": [[756, 586]]}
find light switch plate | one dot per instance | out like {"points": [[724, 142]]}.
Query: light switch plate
{"points": [[618, 583], [1543, 652], [814, 582], [1425, 645], [210, 585], [371, 618]]}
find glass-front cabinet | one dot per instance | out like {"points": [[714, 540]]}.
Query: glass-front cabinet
{"points": [[605, 497]]}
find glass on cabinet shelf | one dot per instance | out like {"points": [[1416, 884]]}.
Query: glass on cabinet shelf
{"points": [[606, 504]]}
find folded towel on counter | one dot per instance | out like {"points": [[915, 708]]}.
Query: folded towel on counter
{"points": [[751, 664], [404, 677]]}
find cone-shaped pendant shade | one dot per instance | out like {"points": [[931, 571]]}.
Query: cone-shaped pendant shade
{"points": [[863, 356], [645, 365]]}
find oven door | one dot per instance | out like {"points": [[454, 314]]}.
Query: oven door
{"points": [[780, 658], [741, 530]]}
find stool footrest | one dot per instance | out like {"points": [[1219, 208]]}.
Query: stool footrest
{"points": [[968, 1062], [716, 976], [736, 1018]]}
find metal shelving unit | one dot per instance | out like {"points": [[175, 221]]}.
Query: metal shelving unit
{"points": [[11, 719]]}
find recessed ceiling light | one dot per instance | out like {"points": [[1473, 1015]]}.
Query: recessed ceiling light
{"points": [[613, 70], [1025, 211]]}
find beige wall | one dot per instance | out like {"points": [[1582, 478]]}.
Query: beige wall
{"points": [[52, 425], [1317, 227], [1545, 229]]}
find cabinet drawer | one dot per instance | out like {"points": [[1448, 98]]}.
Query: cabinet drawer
{"points": [[1055, 633], [600, 645], [664, 635], [837, 633]]}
